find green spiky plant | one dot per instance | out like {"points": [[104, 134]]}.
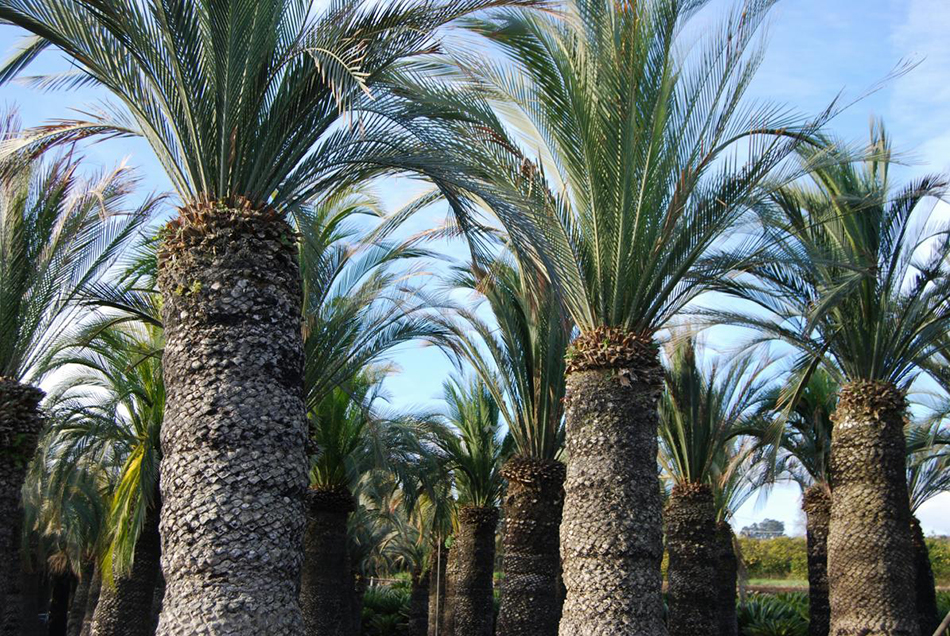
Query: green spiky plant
{"points": [[700, 411], [59, 233], [252, 108], [519, 354], [854, 279], [631, 170]]}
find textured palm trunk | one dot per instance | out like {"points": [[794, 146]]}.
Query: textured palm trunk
{"points": [[58, 615], [727, 579], [611, 532], [692, 596], [816, 502], [234, 465], [530, 600], [95, 589], [326, 587], [437, 578], [870, 552], [20, 424], [77, 606], [474, 569], [419, 603], [446, 626], [132, 592], [926, 594]]}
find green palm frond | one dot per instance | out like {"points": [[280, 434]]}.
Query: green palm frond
{"points": [[59, 234]]}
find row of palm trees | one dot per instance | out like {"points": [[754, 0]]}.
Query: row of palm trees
{"points": [[595, 166]]}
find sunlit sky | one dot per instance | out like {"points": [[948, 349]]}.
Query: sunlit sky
{"points": [[816, 49]]}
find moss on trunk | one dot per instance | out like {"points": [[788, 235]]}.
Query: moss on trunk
{"points": [[531, 600], [234, 466], [326, 587], [611, 530], [691, 542], [474, 550], [816, 502], [870, 554]]}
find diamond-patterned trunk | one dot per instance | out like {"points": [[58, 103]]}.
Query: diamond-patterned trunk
{"points": [[326, 586], [926, 593], [727, 580], [816, 502], [693, 596], [234, 465], [474, 558]]}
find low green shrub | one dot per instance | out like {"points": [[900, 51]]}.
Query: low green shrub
{"points": [[385, 611], [774, 615]]}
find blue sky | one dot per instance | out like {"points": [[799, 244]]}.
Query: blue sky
{"points": [[816, 48]]}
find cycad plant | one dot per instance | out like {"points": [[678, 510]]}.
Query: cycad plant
{"points": [[58, 234], [520, 357], [632, 169], [473, 449], [700, 410], [252, 107], [855, 279]]}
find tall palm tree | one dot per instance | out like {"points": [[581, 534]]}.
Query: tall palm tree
{"points": [[630, 172], [473, 451], [699, 412], [58, 234], [252, 107], [855, 280], [520, 357]]}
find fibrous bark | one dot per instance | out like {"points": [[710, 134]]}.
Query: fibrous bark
{"points": [[131, 593], [234, 465], [691, 543], [870, 554], [611, 532], [437, 577], [926, 594], [77, 606], [727, 579], [530, 600], [20, 424], [474, 550], [419, 603], [326, 586], [816, 502]]}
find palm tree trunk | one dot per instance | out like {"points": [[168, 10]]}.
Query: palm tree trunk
{"points": [[437, 577], [77, 606], [870, 552], [58, 616], [727, 576], [926, 593], [132, 592], [95, 589], [611, 532], [20, 424], [326, 586], [446, 626], [419, 603], [234, 466], [816, 502], [358, 586], [474, 572], [693, 596], [530, 601]]}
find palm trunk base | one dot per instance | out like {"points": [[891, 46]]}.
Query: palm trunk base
{"points": [[419, 603], [473, 588], [691, 542], [326, 586], [531, 600], [727, 578], [816, 502], [926, 593], [234, 466], [870, 554]]}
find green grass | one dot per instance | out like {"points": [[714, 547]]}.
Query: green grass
{"points": [[778, 582]]}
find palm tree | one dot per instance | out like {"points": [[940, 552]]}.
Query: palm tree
{"points": [[58, 234], [845, 282], [630, 174], [252, 107], [524, 370], [699, 413], [473, 451]]}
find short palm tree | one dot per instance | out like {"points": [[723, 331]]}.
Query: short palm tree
{"points": [[252, 107], [473, 451], [700, 410], [855, 279], [631, 172], [58, 234], [520, 357]]}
